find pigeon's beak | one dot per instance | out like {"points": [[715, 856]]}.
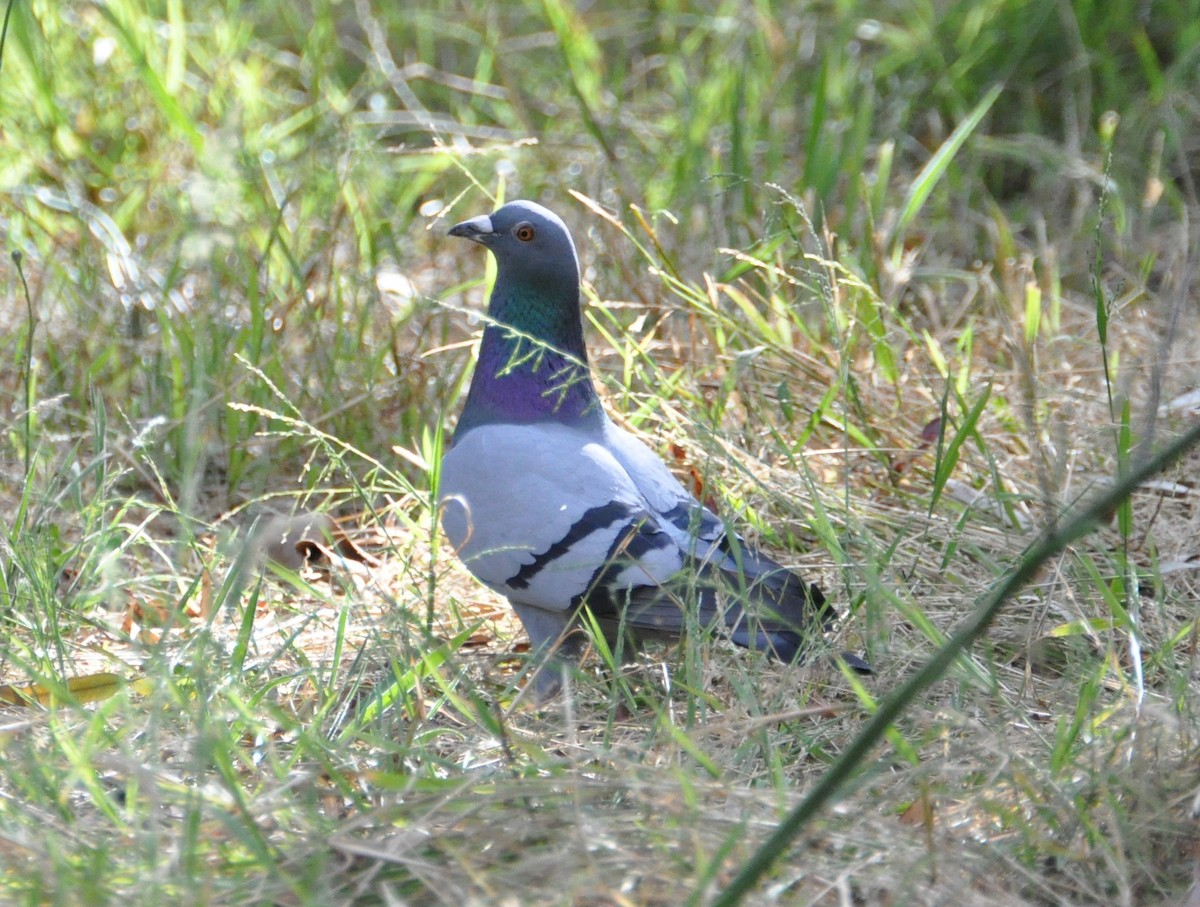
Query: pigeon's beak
{"points": [[477, 229]]}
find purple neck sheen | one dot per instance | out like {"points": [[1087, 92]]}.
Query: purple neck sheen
{"points": [[532, 366]]}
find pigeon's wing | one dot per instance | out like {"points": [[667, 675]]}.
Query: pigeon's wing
{"points": [[694, 525], [769, 605], [545, 515]]}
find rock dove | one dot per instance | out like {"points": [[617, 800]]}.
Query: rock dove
{"points": [[552, 505]]}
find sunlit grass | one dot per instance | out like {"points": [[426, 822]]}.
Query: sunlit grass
{"points": [[895, 284]]}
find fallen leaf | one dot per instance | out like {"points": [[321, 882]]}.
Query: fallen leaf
{"points": [[87, 688]]}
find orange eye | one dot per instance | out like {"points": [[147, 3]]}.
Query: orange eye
{"points": [[524, 232]]}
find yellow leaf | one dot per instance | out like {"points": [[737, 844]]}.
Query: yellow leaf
{"points": [[88, 688]]}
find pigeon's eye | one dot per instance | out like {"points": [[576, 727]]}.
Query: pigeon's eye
{"points": [[524, 232]]}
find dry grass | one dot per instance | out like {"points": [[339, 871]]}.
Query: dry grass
{"points": [[244, 306], [595, 802]]}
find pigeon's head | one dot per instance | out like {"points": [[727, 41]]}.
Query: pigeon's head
{"points": [[530, 243]]}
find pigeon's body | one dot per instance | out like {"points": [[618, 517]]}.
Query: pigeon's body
{"points": [[553, 506]]}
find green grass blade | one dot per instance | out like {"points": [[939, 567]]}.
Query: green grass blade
{"points": [[947, 459], [935, 169], [972, 629]]}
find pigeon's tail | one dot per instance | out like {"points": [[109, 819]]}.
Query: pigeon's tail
{"points": [[777, 612], [760, 604], [773, 609]]}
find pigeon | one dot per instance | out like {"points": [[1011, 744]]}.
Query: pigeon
{"points": [[551, 504]]}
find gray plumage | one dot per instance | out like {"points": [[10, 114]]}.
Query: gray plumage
{"points": [[552, 505]]}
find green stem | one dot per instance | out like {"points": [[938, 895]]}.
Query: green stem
{"points": [[891, 708]]}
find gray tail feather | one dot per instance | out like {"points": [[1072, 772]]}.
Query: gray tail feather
{"points": [[766, 606], [779, 613]]}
